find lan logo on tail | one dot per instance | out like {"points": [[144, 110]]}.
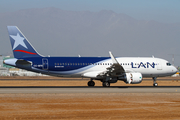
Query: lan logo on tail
{"points": [[18, 41]]}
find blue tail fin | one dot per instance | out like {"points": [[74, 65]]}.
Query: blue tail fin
{"points": [[20, 45]]}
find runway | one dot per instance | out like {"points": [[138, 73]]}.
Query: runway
{"points": [[52, 98], [85, 89]]}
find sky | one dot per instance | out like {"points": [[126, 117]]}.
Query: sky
{"points": [[167, 11], [163, 11]]}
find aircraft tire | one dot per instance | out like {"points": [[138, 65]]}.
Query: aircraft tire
{"points": [[155, 84], [106, 84], [91, 83]]}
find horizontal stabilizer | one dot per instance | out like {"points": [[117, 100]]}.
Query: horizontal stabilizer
{"points": [[23, 62]]}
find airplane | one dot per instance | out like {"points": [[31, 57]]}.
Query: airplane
{"points": [[108, 70]]}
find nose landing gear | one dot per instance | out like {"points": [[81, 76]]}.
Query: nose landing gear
{"points": [[155, 83]]}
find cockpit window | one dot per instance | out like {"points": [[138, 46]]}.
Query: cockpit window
{"points": [[168, 64]]}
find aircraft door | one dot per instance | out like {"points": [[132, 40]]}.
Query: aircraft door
{"points": [[159, 65], [45, 64]]}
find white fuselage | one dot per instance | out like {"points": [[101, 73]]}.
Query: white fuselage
{"points": [[148, 67]]}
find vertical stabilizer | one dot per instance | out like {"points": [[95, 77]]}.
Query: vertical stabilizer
{"points": [[20, 45]]}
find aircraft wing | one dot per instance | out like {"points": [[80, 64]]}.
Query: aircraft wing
{"points": [[114, 70]]}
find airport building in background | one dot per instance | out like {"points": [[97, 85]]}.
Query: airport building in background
{"points": [[4, 70]]}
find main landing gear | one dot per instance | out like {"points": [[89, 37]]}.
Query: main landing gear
{"points": [[91, 83], [155, 83], [106, 84]]}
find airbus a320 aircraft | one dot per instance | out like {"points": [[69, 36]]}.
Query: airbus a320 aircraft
{"points": [[106, 69]]}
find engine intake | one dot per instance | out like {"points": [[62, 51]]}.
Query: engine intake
{"points": [[133, 78]]}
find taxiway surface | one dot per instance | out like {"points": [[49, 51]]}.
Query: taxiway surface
{"points": [[85, 89], [47, 98], [52, 85]]}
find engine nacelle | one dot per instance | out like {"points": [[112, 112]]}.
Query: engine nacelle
{"points": [[133, 78]]}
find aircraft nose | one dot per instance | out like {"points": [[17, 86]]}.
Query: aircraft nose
{"points": [[174, 69]]}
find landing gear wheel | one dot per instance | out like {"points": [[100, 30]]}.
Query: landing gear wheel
{"points": [[106, 84], [155, 84], [91, 83]]}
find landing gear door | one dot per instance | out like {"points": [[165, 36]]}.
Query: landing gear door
{"points": [[45, 64]]}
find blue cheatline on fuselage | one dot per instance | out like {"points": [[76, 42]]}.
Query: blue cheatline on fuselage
{"points": [[66, 63]]}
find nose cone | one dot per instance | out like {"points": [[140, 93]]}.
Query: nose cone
{"points": [[174, 70]]}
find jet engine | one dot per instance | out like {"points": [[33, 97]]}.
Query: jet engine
{"points": [[133, 78]]}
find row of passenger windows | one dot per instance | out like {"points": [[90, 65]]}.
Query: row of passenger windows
{"points": [[83, 63], [94, 64]]}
